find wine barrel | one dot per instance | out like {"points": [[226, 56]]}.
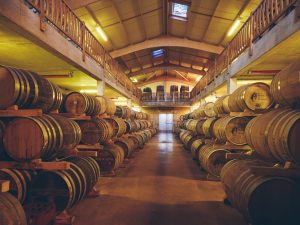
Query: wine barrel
{"points": [[285, 86], [274, 135], [253, 195], [79, 103], [195, 147], [207, 127], [103, 105], [110, 106], [106, 128], [191, 125], [231, 129], [255, 97], [3, 154], [118, 125], [226, 104], [11, 210], [212, 159], [127, 145], [27, 90], [67, 187], [207, 110], [199, 127], [138, 141], [20, 182], [219, 105], [40, 137], [110, 157]]}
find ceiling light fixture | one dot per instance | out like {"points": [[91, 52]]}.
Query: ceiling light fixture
{"points": [[234, 27], [101, 32]]}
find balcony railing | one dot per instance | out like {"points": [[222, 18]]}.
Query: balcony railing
{"points": [[166, 97], [265, 15], [60, 15]]}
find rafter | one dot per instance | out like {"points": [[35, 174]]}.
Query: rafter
{"points": [[167, 66], [180, 74], [120, 21], [167, 41]]}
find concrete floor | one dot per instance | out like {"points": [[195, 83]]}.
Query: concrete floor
{"points": [[160, 186]]}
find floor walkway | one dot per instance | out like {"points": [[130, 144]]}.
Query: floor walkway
{"points": [[160, 186]]}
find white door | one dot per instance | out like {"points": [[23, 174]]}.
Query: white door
{"points": [[165, 122]]}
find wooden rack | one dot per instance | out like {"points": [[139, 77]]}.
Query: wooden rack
{"points": [[4, 186], [245, 113], [14, 111], [36, 165], [289, 169]]}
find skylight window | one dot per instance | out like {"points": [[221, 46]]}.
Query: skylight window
{"points": [[157, 53], [179, 11]]}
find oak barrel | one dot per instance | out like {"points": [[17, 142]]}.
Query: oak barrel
{"points": [[40, 137], [207, 127], [195, 146], [274, 135], [67, 187], [118, 125], [231, 129], [110, 157], [11, 211], [263, 200], [254, 97], [219, 106], [127, 145], [212, 159], [285, 86]]}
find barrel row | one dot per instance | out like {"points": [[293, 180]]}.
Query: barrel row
{"points": [[211, 158], [112, 155], [224, 129], [255, 97], [126, 113], [28, 90]]}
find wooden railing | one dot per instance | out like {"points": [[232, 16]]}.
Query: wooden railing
{"points": [[265, 15], [59, 15]]}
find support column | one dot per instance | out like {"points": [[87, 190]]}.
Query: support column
{"points": [[231, 85], [100, 87]]}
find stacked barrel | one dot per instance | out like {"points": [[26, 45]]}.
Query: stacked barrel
{"points": [[264, 187], [130, 131], [67, 120]]}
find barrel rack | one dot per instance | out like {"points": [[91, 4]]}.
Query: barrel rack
{"points": [[47, 214]]}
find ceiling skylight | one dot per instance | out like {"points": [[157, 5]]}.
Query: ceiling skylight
{"points": [[179, 10], [157, 53]]}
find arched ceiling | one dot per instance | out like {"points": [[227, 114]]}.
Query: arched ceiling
{"points": [[135, 28]]}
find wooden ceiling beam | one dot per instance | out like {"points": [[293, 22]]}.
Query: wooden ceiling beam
{"points": [[167, 41], [180, 74], [167, 66]]}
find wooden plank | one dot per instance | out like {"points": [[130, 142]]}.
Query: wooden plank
{"points": [[244, 114], [233, 147], [20, 112], [87, 153], [4, 185], [276, 171], [89, 147], [238, 156], [36, 165]]}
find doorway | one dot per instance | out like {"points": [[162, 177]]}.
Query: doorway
{"points": [[166, 122]]}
